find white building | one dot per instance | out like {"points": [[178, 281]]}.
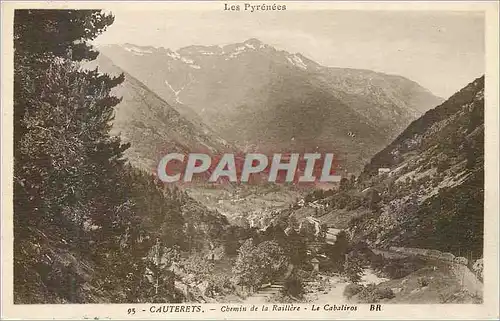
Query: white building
{"points": [[384, 170]]}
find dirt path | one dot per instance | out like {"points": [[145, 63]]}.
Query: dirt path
{"points": [[369, 277], [468, 279], [336, 292], [334, 295], [255, 299]]}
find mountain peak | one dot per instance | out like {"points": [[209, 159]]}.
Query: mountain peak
{"points": [[253, 41]]}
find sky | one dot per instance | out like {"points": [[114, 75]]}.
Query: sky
{"points": [[441, 50]]}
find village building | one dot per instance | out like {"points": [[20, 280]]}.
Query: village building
{"points": [[383, 170], [331, 235]]}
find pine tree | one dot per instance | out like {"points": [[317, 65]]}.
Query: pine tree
{"points": [[71, 183], [66, 163], [50, 94], [42, 36]]}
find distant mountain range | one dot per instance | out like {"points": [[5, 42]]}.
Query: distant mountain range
{"points": [[263, 99]]}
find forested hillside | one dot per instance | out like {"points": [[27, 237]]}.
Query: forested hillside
{"points": [[423, 190], [89, 227], [86, 223]]}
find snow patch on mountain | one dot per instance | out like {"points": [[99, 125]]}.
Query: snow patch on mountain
{"points": [[171, 88], [176, 92], [207, 53], [137, 51], [187, 61], [296, 61], [176, 56], [237, 51]]}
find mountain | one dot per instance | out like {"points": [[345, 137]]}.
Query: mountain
{"points": [[424, 190], [433, 195], [270, 100], [151, 125]]}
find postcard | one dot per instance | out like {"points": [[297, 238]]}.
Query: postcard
{"points": [[250, 160]]}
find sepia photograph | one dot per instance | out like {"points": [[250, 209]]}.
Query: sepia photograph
{"points": [[283, 156]]}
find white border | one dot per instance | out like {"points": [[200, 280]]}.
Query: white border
{"points": [[487, 310]]}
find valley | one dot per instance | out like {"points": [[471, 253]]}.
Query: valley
{"points": [[101, 217], [373, 209]]}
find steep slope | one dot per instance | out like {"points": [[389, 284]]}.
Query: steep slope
{"points": [[389, 101], [63, 269], [266, 99], [461, 113], [151, 125], [430, 193], [433, 195]]}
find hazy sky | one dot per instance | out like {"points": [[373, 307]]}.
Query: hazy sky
{"points": [[443, 51]]}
